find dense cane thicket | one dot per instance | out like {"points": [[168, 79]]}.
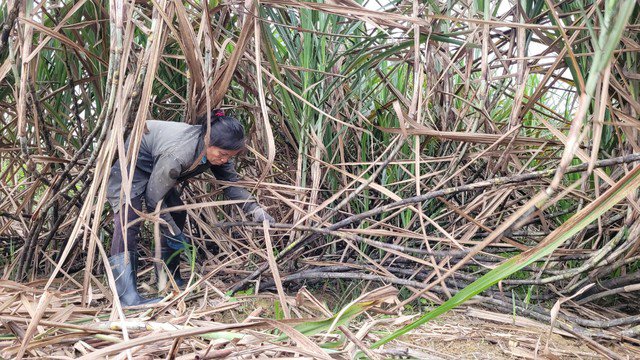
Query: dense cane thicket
{"points": [[439, 146]]}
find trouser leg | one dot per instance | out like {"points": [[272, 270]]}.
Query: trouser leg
{"points": [[132, 231], [173, 199], [170, 256], [124, 264]]}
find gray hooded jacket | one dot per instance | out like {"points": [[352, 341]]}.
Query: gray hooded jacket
{"points": [[167, 152]]}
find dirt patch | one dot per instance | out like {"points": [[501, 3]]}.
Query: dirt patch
{"points": [[463, 334]]}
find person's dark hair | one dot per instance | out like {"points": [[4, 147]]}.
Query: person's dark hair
{"points": [[226, 132]]}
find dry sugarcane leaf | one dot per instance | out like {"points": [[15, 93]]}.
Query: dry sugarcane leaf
{"points": [[33, 325]]}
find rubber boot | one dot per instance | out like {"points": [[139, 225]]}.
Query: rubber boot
{"points": [[171, 258], [125, 274]]}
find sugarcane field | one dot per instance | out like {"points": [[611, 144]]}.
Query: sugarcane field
{"points": [[320, 179]]}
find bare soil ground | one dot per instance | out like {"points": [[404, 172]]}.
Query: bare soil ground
{"points": [[473, 333]]}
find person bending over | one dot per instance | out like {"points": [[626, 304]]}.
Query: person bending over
{"points": [[171, 152]]}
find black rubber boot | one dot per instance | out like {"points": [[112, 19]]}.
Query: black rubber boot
{"points": [[172, 259], [125, 274]]}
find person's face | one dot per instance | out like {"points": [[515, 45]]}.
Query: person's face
{"points": [[218, 156]]}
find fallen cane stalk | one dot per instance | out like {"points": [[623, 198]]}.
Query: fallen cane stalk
{"points": [[568, 322], [430, 195]]}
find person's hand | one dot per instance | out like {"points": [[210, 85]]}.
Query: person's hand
{"points": [[259, 215], [178, 241]]}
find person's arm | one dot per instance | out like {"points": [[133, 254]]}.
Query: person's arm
{"points": [[227, 172], [163, 177]]}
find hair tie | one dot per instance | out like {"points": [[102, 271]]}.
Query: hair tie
{"points": [[219, 113]]}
